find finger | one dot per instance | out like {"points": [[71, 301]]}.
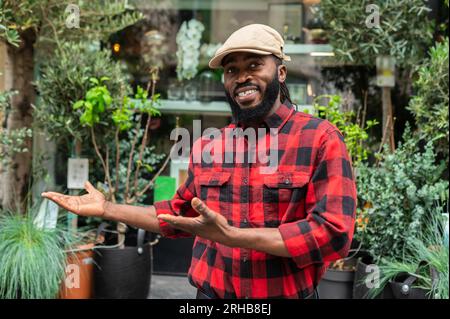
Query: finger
{"points": [[201, 208], [52, 195], [66, 202], [89, 187], [179, 222]]}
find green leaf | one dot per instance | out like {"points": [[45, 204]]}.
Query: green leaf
{"points": [[94, 81], [78, 104]]}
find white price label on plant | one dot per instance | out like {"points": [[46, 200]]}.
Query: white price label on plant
{"points": [[77, 173], [385, 71]]}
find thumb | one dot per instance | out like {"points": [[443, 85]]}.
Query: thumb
{"points": [[88, 186], [201, 208]]}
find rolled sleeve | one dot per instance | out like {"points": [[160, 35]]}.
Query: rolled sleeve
{"points": [[326, 232], [179, 205]]}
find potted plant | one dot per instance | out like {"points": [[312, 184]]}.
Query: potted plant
{"points": [[423, 272], [99, 86], [338, 280], [124, 119], [32, 259], [400, 191], [79, 280], [399, 194]]}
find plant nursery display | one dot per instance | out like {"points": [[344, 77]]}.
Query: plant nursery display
{"points": [[102, 83], [423, 270]]}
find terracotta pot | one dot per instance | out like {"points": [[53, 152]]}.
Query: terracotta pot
{"points": [[78, 282]]}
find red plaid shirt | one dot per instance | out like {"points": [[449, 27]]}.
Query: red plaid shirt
{"points": [[310, 198]]}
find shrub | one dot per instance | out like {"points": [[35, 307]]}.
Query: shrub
{"points": [[430, 104], [403, 33], [32, 260], [425, 257], [355, 134], [65, 80], [398, 195]]}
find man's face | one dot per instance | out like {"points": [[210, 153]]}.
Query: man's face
{"points": [[251, 84]]}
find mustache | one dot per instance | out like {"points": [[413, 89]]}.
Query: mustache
{"points": [[243, 85]]}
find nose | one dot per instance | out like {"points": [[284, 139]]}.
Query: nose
{"points": [[242, 77]]}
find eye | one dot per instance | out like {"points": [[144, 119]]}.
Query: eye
{"points": [[230, 70]]}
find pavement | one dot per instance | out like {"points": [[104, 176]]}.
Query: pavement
{"points": [[171, 287]]}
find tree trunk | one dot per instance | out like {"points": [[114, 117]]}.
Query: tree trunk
{"points": [[17, 69], [388, 119]]}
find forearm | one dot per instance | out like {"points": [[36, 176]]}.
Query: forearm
{"points": [[267, 240], [136, 216]]}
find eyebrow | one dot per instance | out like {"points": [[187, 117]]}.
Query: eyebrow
{"points": [[250, 56]]}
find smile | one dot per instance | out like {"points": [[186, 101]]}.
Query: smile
{"points": [[247, 96], [245, 93]]}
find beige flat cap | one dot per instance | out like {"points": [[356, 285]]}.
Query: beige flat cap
{"points": [[254, 38]]}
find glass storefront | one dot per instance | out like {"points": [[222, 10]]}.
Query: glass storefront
{"points": [[154, 43]]}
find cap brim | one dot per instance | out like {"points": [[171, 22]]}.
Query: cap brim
{"points": [[216, 61]]}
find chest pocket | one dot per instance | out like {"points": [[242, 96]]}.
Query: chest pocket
{"points": [[284, 197], [214, 188]]}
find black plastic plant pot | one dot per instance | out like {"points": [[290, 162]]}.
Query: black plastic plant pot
{"points": [[336, 284], [402, 288], [361, 289], [123, 273]]}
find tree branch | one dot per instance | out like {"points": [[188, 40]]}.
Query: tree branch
{"points": [[97, 151]]}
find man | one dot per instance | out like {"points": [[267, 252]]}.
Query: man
{"points": [[258, 234]]}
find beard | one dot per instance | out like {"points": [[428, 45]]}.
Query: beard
{"points": [[257, 113]]}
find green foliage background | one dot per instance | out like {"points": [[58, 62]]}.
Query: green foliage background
{"points": [[65, 80], [431, 101], [403, 191], [404, 32]]}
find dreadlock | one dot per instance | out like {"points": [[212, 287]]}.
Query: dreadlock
{"points": [[284, 92]]}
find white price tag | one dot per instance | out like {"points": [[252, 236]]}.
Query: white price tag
{"points": [[77, 173], [385, 71]]}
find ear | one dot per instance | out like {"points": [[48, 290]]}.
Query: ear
{"points": [[282, 73]]}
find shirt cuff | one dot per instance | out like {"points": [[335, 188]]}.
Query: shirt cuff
{"points": [[300, 243], [164, 207]]}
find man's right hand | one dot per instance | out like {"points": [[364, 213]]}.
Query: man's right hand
{"points": [[91, 204]]}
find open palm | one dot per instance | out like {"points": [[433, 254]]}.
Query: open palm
{"points": [[91, 204]]}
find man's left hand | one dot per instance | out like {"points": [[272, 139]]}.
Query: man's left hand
{"points": [[209, 225]]}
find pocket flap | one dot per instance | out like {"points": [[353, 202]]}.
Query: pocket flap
{"points": [[214, 178], [286, 180]]}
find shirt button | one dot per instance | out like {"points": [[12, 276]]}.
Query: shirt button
{"points": [[245, 180], [287, 181]]}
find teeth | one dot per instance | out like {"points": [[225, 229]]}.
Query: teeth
{"points": [[246, 92]]}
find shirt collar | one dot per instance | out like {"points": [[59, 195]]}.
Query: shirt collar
{"points": [[278, 118]]}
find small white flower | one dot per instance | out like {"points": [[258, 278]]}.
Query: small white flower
{"points": [[188, 41]]}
